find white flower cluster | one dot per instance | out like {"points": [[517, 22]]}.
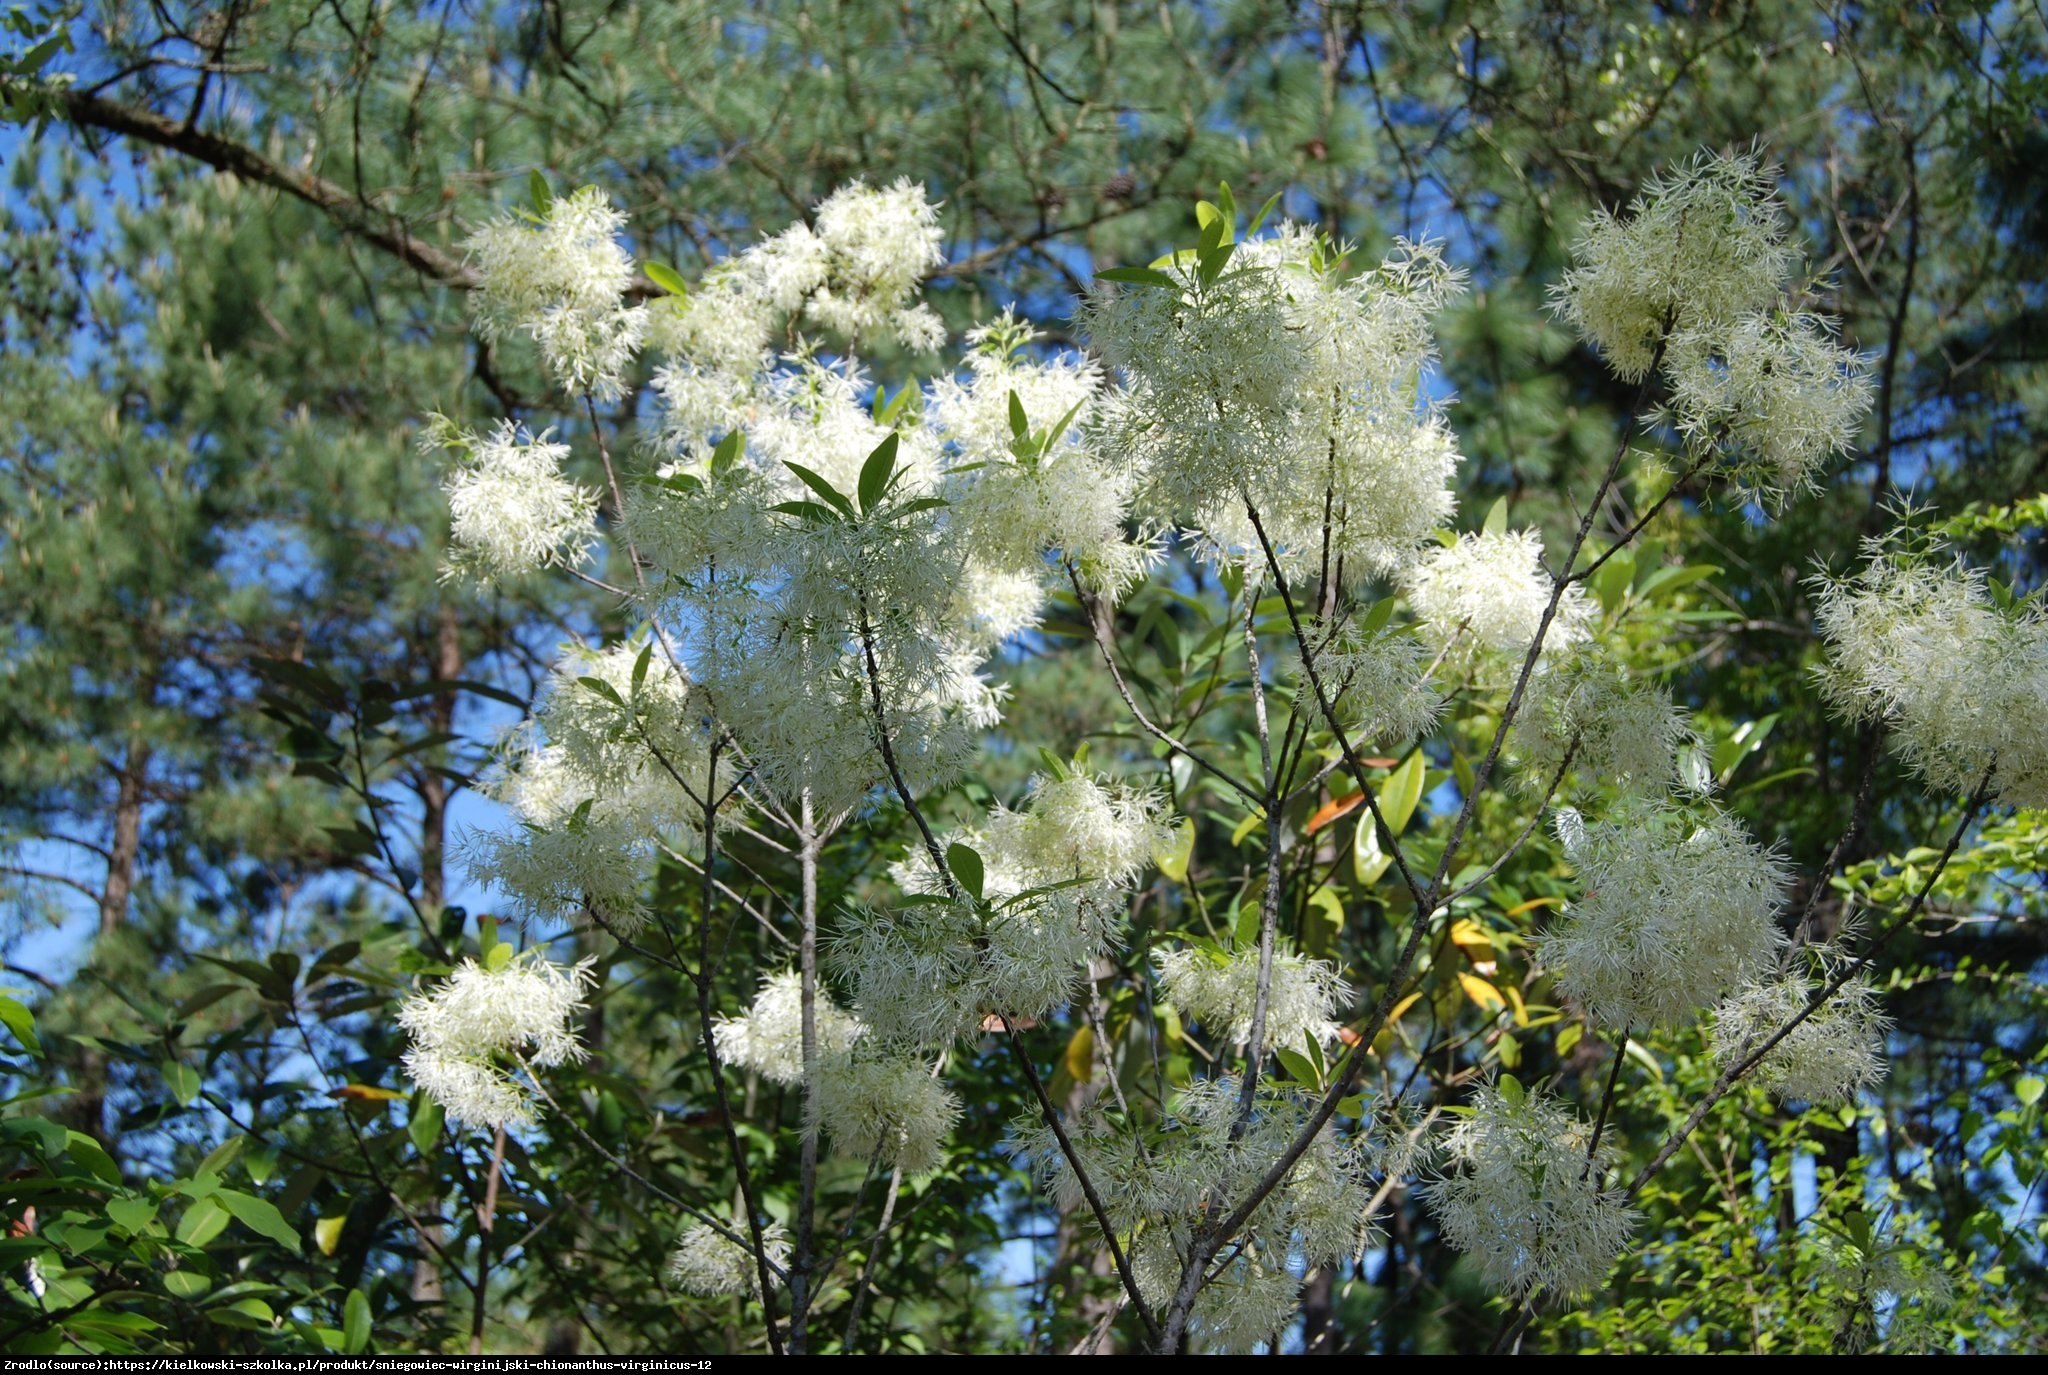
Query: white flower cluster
{"points": [[1487, 592], [871, 1100], [1019, 493], [560, 278], [1054, 879], [1159, 1193], [1620, 732], [1695, 275], [591, 785], [885, 1106], [465, 1031], [1283, 383], [710, 1264], [1221, 992], [1879, 1278], [510, 509], [1829, 1057], [1676, 907], [1917, 639], [1379, 685], [1520, 1194], [769, 1040]]}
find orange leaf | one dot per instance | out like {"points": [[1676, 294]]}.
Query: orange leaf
{"points": [[1330, 811]]}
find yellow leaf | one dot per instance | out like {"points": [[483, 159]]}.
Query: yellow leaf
{"points": [[1246, 826], [1481, 992], [1471, 935], [1173, 859], [1081, 1055], [1521, 1008], [1532, 904], [327, 1234], [1403, 1006]]}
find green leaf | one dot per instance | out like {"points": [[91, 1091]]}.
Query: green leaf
{"points": [[1246, 934], [131, 1215], [22, 1023], [537, 189], [668, 279], [2028, 1090], [87, 1152], [1138, 276], [728, 452], [260, 1216], [355, 1323], [1300, 1066], [825, 490], [879, 471], [1020, 425], [203, 1221], [1377, 619], [1511, 1089], [182, 1080], [1497, 518], [806, 510], [498, 956], [1264, 210], [189, 1284], [604, 690], [967, 868], [1367, 858], [1400, 793], [424, 1123]]}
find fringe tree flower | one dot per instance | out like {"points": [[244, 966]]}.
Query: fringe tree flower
{"points": [[876, 1102], [878, 244], [711, 1265], [1702, 246], [1676, 907], [510, 509], [1517, 1197], [1488, 592], [1221, 992], [1378, 685], [1828, 1058], [1918, 640], [1778, 388], [1621, 733], [467, 1028], [562, 282], [769, 1040]]}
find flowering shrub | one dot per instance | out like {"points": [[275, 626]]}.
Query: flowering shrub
{"points": [[828, 579]]}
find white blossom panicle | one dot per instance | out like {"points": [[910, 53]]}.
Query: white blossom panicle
{"points": [[1917, 639], [1208, 1154], [1488, 592], [1828, 1058], [1076, 824], [510, 509], [1777, 389], [1696, 274], [711, 1264], [878, 244], [1900, 1282], [1221, 992], [469, 1031], [591, 795], [1702, 246], [882, 1103], [562, 282], [1515, 1194], [1618, 732], [1379, 686], [1676, 907], [1287, 385], [769, 1040]]}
